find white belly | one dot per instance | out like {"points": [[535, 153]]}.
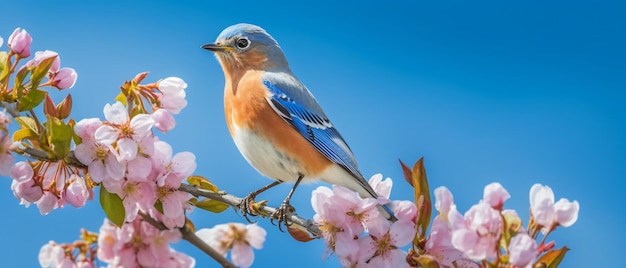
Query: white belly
{"points": [[265, 158]]}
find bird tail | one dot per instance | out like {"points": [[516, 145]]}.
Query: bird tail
{"points": [[387, 213]]}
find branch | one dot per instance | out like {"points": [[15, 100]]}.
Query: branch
{"points": [[235, 202], [192, 238]]}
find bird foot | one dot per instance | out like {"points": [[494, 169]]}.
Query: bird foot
{"points": [[249, 207], [281, 215]]}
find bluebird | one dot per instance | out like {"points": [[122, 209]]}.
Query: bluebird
{"points": [[275, 121]]}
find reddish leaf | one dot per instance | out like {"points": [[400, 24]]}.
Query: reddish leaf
{"points": [[552, 258], [407, 173], [299, 234]]}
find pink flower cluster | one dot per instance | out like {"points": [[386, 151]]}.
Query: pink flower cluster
{"points": [[61, 78], [53, 255], [49, 185], [140, 244], [19, 43], [476, 235], [124, 155], [6, 158], [237, 238], [354, 229]]}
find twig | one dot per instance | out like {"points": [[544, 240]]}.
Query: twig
{"points": [[192, 238], [235, 201]]}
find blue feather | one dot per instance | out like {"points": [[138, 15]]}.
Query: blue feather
{"points": [[315, 127]]}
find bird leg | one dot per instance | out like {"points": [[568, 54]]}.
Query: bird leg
{"points": [[246, 204], [285, 208]]}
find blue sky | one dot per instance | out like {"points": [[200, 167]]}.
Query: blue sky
{"points": [[493, 91]]}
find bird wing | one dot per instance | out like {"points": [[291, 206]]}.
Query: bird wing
{"points": [[294, 103]]}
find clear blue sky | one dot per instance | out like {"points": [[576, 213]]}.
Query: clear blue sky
{"points": [[492, 91]]}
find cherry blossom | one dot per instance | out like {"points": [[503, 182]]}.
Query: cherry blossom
{"points": [[139, 244], [51, 255], [77, 193], [546, 213], [237, 237], [495, 195], [64, 78], [163, 120], [522, 250], [382, 247], [173, 94], [19, 42], [477, 232]]}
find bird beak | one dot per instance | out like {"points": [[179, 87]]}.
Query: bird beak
{"points": [[215, 47]]}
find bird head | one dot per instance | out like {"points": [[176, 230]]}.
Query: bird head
{"points": [[246, 46]]}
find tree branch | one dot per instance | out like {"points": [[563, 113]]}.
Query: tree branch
{"points": [[235, 202], [192, 238]]}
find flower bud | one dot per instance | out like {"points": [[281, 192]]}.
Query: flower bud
{"points": [[19, 42], [163, 120], [64, 78], [76, 193]]}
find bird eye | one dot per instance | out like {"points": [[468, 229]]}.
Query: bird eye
{"points": [[243, 43]]}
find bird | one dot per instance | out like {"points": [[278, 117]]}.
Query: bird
{"points": [[276, 122]]}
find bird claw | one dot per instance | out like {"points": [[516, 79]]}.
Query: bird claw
{"points": [[281, 215], [249, 207]]}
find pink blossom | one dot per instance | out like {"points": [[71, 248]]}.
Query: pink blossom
{"points": [[163, 120], [77, 193], [542, 205], [173, 94], [101, 161], [477, 232], [380, 186], [566, 212], [107, 241], [330, 219], [359, 212], [86, 128], [64, 78], [138, 162], [236, 237], [139, 244], [382, 249], [26, 191], [174, 206], [404, 210], [522, 250], [495, 195], [22, 171], [47, 203], [40, 56], [171, 171], [546, 213], [51, 255], [121, 127], [443, 201], [19, 42], [136, 196]]}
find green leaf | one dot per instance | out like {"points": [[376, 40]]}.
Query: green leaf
{"points": [[417, 178], [159, 206], [113, 207], [121, 98], [212, 205], [552, 258], [4, 71], [59, 136], [28, 129], [40, 71], [203, 183], [31, 100], [24, 134]]}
